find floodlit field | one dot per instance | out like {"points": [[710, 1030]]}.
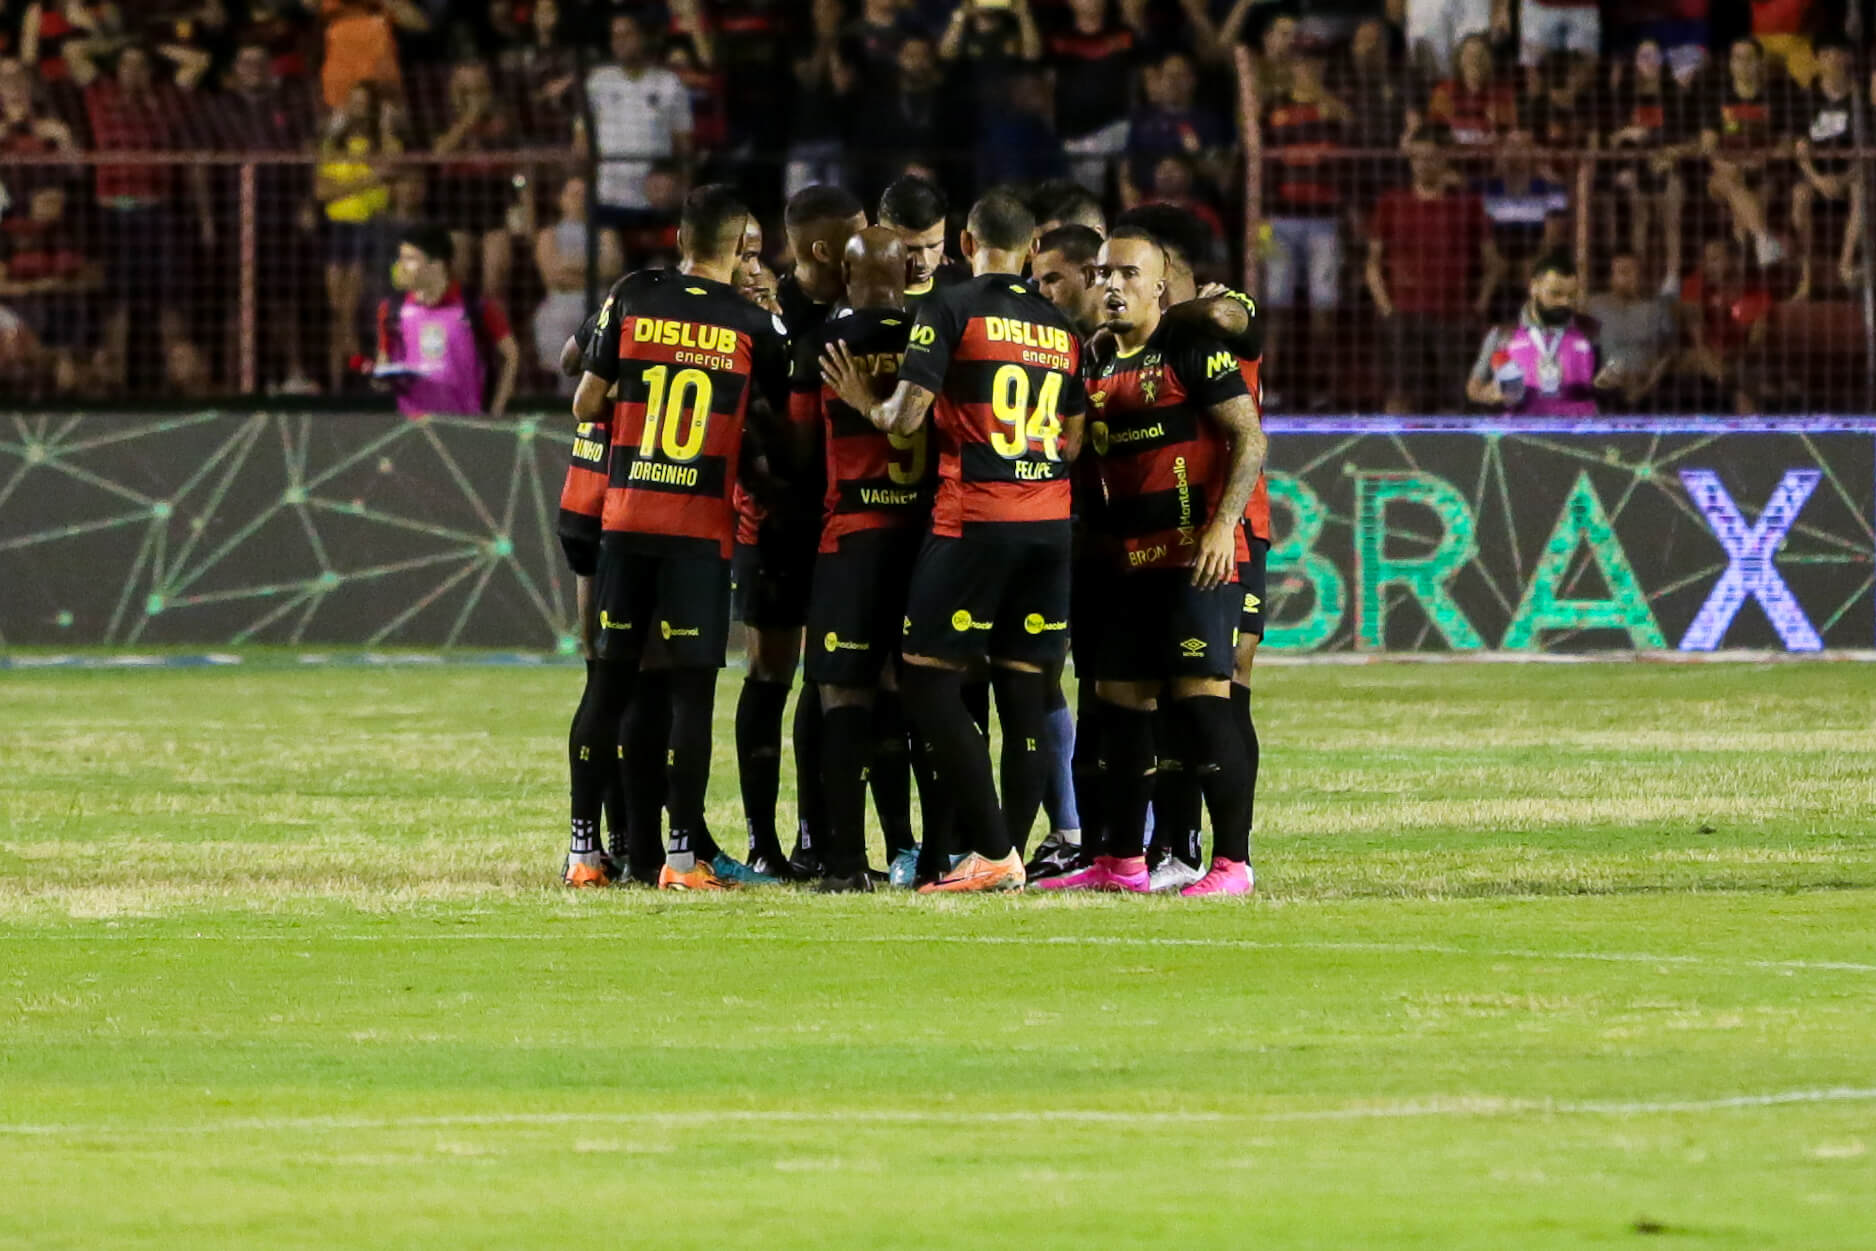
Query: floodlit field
{"points": [[1542, 957]]}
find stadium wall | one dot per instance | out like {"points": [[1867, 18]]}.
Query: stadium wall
{"points": [[1393, 534]]}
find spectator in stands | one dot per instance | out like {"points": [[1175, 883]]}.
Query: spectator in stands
{"points": [[1374, 89], [641, 111], [826, 82], [1436, 28], [477, 199], [1018, 141], [1176, 183], [560, 253], [1551, 26], [289, 32], [1276, 51], [907, 112], [546, 71], [878, 33], [146, 237], [1647, 114], [1562, 116], [1829, 185], [1431, 271], [1638, 332], [445, 350], [690, 53], [1529, 213], [1474, 103], [1741, 122], [1095, 51], [27, 129], [49, 27], [258, 113], [1725, 314], [987, 43], [1173, 122], [1783, 31], [361, 45], [1304, 127], [1547, 364], [48, 286], [352, 181]]}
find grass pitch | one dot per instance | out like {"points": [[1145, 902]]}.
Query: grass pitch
{"points": [[1542, 957]]}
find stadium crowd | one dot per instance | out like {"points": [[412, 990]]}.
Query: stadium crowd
{"points": [[1693, 156]]}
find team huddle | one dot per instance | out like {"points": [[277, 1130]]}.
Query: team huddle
{"points": [[938, 484]]}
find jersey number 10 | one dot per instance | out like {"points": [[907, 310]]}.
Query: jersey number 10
{"points": [[1041, 427], [682, 431]]}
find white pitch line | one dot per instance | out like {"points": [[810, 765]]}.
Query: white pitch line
{"points": [[1461, 1106], [1002, 940]]}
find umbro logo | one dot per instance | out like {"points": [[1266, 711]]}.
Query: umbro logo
{"points": [[1193, 647]]}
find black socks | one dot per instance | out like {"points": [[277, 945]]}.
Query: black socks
{"points": [[846, 748], [960, 757], [1023, 712], [759, 761]]}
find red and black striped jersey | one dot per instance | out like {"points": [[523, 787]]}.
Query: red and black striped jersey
{"points": [[948, 274], [686, 353], [1005, 366], [1248, 346], [583, 495], [1163, 460], [875, 480], [801, 316]]}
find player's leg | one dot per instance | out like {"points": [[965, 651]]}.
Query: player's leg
{"points": [[694, 611], [593, 739], [1067, 850], [847, 753], [956, 587], [1122, 673], [1206, 731], [1022, 693], [643, 743], [1252, 575], [891, 772], [771, 656], [1058, 754], [1028, 643], [1178, 813], [810, 816]]}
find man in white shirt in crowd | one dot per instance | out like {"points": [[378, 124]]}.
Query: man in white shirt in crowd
{"points": [[640, 113]]}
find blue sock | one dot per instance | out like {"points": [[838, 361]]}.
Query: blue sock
{"points": [[1058, 745]]}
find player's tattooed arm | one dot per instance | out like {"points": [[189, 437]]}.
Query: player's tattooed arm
{"points": [[902, 412], [1219, 544], [1219, 312]]}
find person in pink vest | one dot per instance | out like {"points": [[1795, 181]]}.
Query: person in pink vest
{"points": [[1548, 364], [442, 349]]}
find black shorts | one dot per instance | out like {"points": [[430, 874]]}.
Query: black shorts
{"points": [[857, 611], [681, 601], [1252, 576], [579, 540], [977, 596], [1092, 591], [1160, 627], [773, 580]]}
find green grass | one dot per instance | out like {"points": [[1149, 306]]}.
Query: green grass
{"points": [[1542, 957]]}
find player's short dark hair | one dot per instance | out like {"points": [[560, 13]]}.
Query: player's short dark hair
{"points": [[821, 203], [432, 240], [1557, 262], [912, 203], [1001, 222], [1131, 230], [1182, 235], [1077, 244], [710, 212], [1064, 200]]}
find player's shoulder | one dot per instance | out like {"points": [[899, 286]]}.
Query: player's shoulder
{"points": [[866, 326]]}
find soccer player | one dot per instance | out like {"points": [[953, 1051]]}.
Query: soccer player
{"points": [[914, 209], [1231, 317], [997, 369], [1064, 272], [1059, 202], [878, 501], [775, 566], [693, 362], [1179, 446]]}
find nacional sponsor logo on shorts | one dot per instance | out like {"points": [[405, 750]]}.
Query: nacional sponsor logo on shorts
{"points": [[669, 631], [658, 471], [685, 334], [608, 623], [1192, 647], [834, 643], [1036, 623], [961, 620]]}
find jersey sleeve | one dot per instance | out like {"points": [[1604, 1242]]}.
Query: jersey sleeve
{"points": [[935, 335], [1207, 369], [600, 352], [1248, 343], [770, 369]]}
